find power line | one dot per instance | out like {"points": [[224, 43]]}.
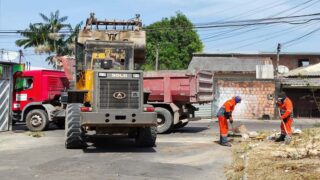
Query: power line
{"points": [[263, 7], [234, 30], [267, 38], [301, 37], [241, 33]]}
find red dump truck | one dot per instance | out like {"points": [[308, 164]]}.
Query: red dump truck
{"points": [[172, 93], [36, 98]]}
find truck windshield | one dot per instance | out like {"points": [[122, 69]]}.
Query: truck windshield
{"points": [[23, 83]]}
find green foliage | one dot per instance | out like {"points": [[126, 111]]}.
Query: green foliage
{"points": [[175, 39], [48, 36]]}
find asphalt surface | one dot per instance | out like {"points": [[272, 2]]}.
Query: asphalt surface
{"points": [[189, 153]]}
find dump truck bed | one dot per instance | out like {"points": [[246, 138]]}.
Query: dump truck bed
{"points": [[179, 86]]}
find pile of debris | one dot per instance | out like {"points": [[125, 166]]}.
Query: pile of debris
{"points": [[241, 131], [303, 146], [297, 160]]}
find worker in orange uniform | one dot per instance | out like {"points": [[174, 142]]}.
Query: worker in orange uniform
{"points": [[224, 113], [286, 112]]}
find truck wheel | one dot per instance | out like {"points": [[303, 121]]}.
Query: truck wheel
{"points": [[164, 120], [37, 120], [146, 137], [73, 132]]}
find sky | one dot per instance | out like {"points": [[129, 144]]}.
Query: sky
{"points": [[17, 14]]}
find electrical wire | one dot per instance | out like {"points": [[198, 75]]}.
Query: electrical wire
{"points": [[252, 29]]}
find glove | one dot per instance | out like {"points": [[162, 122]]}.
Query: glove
{"points": [[285, 119], [227, 115], [231, 119]]}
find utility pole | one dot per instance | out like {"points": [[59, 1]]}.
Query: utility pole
{"points": [[20, 56], [1, 54], [278, 59], [157, 57]]}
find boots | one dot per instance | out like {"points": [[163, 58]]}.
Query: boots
{"points": [[224, 141], [280, 138]]}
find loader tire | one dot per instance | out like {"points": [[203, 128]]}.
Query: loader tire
{"points": [[73, 131], [146, 137], [37, 120], [164, 120]]}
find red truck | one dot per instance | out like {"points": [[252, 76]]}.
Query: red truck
{"points": [[172, 93], [36, 98]]}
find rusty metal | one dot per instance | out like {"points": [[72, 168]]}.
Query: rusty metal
{"points": [[131, 31]]}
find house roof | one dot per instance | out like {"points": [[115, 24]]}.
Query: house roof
{"points": [[307, 71], [7, 62], [224, 64], [256, 53], [301, 82]]}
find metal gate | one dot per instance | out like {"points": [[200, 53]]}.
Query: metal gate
{"points": [[4, 105], [205, 110]]}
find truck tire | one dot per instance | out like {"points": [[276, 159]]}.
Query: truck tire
{"points": [[146, 137], [37, 120], [73, 132], [164, 120]]}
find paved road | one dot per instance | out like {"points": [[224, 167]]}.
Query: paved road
{"points": [[190, 153]]}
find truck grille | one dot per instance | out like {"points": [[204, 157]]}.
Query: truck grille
{"points": [[110, 89]]}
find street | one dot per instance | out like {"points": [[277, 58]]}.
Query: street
{"points": [[189, 153]]}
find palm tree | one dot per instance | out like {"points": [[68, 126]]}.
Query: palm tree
{"points": [[35, 35], [47, 36]]}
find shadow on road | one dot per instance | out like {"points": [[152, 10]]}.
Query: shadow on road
{"points": [[104, 144], [190, 129], [21, 127]]}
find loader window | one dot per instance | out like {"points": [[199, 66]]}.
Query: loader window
{"points": [[118, 57], [23, 83]]}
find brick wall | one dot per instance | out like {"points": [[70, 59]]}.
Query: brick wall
{"points": [[255, 102]]}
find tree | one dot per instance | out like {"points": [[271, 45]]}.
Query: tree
{"points": [[176, 41], [47, 36]]}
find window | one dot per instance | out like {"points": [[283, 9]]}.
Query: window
{"points": [[23, 83], [303, 62]]}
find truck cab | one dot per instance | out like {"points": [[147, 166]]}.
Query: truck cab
{"points": [[36, 97]]}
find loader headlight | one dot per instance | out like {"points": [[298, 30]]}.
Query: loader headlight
{"points": [[102, 74], [135, 75]]}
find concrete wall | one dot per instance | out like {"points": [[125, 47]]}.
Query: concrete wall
{"points": [[292, 61], [255, 103]]}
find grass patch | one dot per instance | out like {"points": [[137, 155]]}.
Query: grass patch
{"points": [[35, 134], [317, 124]]}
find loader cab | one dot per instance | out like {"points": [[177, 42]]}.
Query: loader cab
{"points": [[105, 55]]}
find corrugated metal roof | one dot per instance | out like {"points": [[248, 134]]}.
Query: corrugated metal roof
{"points": [[224, 64], [312, 70], [301, 82]]}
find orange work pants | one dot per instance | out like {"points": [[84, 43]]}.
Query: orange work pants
{"points": [[223, 124], [287, 124]]}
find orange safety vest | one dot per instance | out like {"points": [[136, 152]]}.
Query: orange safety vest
{"points": [[227, 107], [286, 108]]}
